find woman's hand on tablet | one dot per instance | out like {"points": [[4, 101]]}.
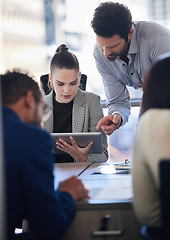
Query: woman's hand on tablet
{"points": [[79, 154]]}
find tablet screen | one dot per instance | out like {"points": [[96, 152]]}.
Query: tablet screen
{"points": [[82, 140]]}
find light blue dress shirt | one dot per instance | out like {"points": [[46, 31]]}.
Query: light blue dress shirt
{"points": [[149, 41]]}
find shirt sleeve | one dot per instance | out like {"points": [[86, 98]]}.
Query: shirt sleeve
{"points": [[158, 42]]}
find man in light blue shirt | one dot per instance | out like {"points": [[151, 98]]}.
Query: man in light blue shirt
{"points": [[123, 53]]}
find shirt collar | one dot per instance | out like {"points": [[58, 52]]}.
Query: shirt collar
{"points": [[133, 49]]}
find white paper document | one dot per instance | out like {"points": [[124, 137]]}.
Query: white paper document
{"points": [[117, 188], [111, 193]]}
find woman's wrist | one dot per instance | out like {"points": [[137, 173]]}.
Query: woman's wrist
{"points": [[81, 159]]}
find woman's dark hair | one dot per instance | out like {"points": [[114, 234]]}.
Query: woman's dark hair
{"points": [[63, 58], [156, 85], [112, 19]]}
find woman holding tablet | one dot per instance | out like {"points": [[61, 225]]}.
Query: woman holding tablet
{"points": [[71, 109]]}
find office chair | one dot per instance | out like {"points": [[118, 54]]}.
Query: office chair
{"points": [[83, 82], [44, 83], [47, 88], [165, 196], [149, 233]]}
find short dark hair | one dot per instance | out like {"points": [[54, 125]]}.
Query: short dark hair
{"points": [[156, 85], [112, 19], [15, 84], [63, 58]]}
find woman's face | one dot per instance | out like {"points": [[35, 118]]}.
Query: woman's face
{"points": [[65, 83]]}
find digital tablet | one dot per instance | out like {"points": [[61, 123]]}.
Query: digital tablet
{"points": [[82, 139]]}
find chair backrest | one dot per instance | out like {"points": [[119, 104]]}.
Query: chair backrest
{"points": [[83, 82], [44, 83], [47, 88], [164, 168]]}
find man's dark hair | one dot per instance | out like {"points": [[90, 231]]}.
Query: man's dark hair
{"points": [[112, 19], [15, 84]]}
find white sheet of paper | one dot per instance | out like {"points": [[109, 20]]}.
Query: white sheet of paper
{"points": [[117, 188]]}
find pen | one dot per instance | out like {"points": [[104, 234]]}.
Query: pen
{"points": [[84, 169]]}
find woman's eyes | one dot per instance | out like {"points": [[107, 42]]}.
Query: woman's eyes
{"points": [[72, 84], [60, 84]]}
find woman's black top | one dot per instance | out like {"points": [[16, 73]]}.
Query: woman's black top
{"points": [[62, 113]]}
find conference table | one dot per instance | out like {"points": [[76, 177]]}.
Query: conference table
{"points": [[108, 213]]}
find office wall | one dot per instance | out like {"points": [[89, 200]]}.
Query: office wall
{"points": [[22, 36]]}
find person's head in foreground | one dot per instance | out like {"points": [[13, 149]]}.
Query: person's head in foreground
{"points": [[156, 85], [21, 93]]}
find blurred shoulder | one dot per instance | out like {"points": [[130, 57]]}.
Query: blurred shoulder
{"points": [[35, 132], [154, 118]]}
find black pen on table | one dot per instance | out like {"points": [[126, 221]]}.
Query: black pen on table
{"points": [[85, 169]]}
